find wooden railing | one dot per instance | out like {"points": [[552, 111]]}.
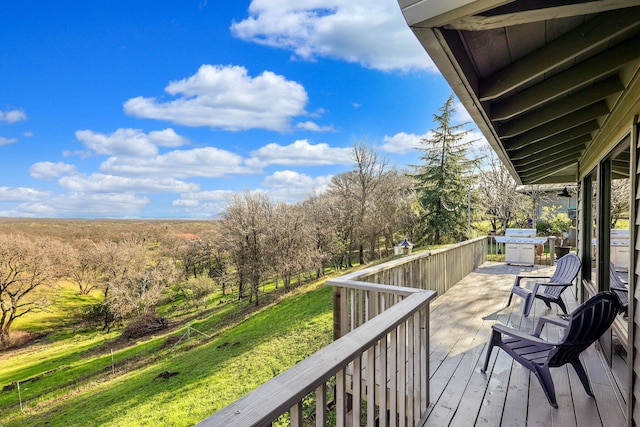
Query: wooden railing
{"points": [[376, 371]]}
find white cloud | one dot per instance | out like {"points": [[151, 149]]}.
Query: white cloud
{"points": [[402, 142], [12, 116], [5, 141], [128, 142], [207, 162], [373, 34], [461, 114], [49, 170], [314, 127], [21, 194], [226, 98], [211, 202], [300, 153], [290, 186], [186, 203], [101, 183], [167, 138], [81, 205], [478, 141]]}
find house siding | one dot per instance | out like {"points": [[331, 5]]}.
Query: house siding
{"points": [[634, 371]]}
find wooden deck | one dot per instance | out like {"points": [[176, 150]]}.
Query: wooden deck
{"points": [[508, 395]]}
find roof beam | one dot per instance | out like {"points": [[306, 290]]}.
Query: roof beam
{"points": [[561, 107], [546, 156], [549, 169], [436, 13], [580, 75], [553, 179], [557, 126], [479, 22], [593, 33], [579, 133], [544, 162]]}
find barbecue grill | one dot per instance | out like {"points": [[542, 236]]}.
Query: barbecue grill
{"points": [[520, 245]]}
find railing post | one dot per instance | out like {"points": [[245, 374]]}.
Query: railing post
{"points": [[552, 249], [337, 313]]}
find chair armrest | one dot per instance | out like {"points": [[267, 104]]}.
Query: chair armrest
{"points": [[556, 284], [620, 288], [514, 333], [520, 277], [555, 320]]}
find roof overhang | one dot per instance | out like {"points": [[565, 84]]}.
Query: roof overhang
{"points": [[540, 78]]}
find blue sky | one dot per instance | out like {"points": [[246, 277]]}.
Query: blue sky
{"points": [[161, 109]]}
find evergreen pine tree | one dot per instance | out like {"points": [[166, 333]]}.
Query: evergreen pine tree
{"points": [[443, 180]]}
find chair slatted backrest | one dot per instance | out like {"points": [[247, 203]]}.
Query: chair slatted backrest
{"points": [[618, 287], [586, 324], [566, 271]]}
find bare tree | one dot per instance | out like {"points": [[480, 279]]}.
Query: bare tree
{"points": [[290, 240], [28, 267], [369, 172], [137, 294], [246, 230], [620, 190], [394, 209], [343, 209], [83, 264], [219, 258], [120, 263], [190, 250], [326, 245], [497, 192]]}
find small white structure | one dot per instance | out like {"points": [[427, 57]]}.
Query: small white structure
{"points": [[520, 245], [403, 248]]}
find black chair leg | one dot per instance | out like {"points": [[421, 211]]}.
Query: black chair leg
{"points": [[577, 366], [544, 376], [561, 305], [492, 341]]}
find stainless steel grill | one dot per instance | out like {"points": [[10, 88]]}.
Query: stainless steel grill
{"points": [[520, 245]]}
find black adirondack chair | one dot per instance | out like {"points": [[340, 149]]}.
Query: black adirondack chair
{"points": [[550, 292], [619, 287], [583, 327]]}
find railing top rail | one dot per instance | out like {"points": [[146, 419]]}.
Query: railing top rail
{"points": [[388, 265], [278, 395], [373, 287]]}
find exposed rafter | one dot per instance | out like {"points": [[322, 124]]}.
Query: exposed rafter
{"points": [[480, 22], [577, 133], [558, 126], [560, 177], [579, 76], [548, 169], [575, 148], [592, 34], [561, 107]]}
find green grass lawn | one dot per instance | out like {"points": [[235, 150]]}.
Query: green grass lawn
{"points": [[71, 378]]}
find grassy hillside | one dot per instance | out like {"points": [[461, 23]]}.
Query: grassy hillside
{"points": [[76, 377]]}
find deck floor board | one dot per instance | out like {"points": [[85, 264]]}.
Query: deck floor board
{"points": [[508, 394]]}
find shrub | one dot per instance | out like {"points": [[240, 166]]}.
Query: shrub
{"points": [[552, 222]]}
